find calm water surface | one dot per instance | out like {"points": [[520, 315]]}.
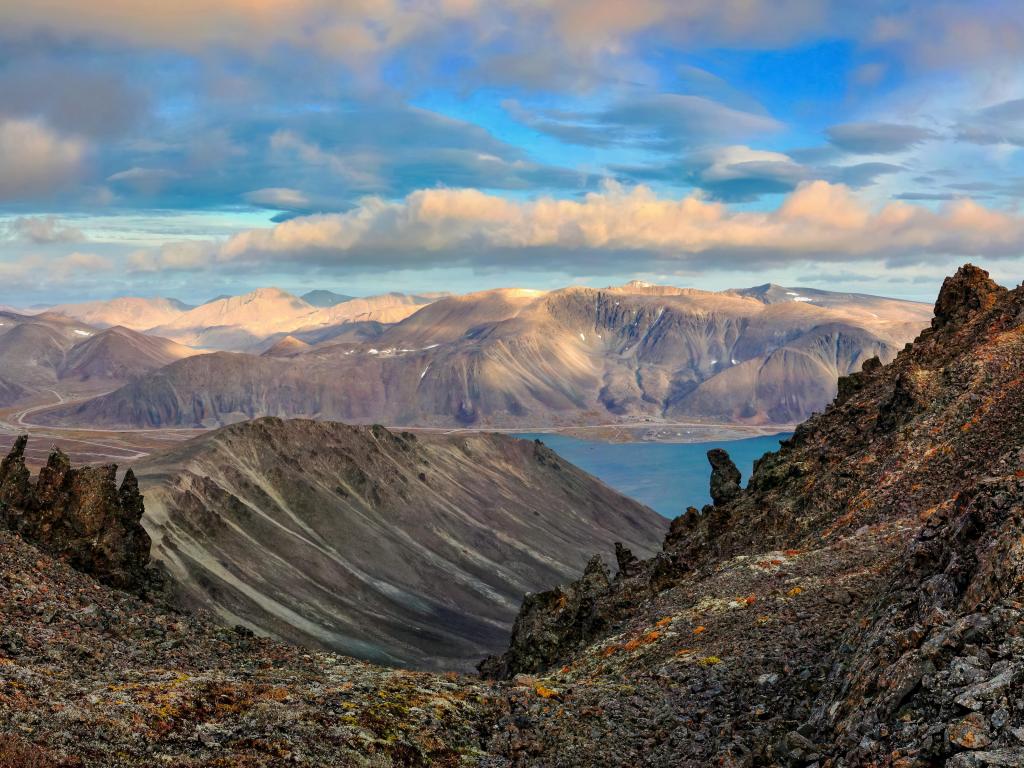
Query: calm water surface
{"points": [[667, 477]]}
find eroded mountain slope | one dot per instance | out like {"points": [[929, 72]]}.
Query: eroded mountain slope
{"points": [[406, 549]]}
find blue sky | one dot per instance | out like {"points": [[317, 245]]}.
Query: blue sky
{"points": [[198, 148]]}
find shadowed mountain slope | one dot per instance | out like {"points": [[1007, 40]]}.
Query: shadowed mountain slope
{"points": [[120, 354], [405, 549]]}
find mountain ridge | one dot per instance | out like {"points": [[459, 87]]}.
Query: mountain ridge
{"points": [[416, 549]]}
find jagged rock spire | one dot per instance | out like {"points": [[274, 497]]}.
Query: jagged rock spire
{"points": [[77, 514], [969, 291], [725, 477], [14, 476]]}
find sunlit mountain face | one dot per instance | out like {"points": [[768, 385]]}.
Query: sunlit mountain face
{"points": [[199, 148]]}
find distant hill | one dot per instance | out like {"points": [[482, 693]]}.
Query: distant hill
{"points": [[523, 358], [257, 319], [39, 351], [120, 354]]}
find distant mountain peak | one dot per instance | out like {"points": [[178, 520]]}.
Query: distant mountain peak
{"points": [[268, 292], [323, 298]]}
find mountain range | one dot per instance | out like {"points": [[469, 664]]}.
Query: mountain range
{"points": [[251, 321], [859, 600], [515, 358]]}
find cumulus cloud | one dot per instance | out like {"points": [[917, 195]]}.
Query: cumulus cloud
{"points": [[451, 227], [877, 138], [43, 230], [36, 161]]}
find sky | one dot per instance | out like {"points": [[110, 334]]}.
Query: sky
{"points": [[202, 147]]}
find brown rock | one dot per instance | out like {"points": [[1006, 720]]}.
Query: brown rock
{"points": [[970, 733], [80, 515], [969, 291], [725, 477]]}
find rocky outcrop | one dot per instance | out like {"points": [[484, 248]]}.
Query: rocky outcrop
{"points": [[77, 514], [964, 294], [725, 477], [552, 624]]}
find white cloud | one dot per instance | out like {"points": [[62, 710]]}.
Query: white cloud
{"points": [[36, 161], [450, 227], [42, 230], [37, 270]]}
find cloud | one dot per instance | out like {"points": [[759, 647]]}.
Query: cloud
{"points": [[738, 173], [76, 97], [1001, 123], [281, 198], [147, 181], [877, 138], [925, 196], [604, 230], [857, 175], [43, 230], [36, 161], [661, 122], [36, 271]]}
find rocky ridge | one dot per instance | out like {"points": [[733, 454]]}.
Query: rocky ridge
{"points": [[412, 550], [859, 603]]}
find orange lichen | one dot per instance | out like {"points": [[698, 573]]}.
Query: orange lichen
{"points": [[698, 630], [750, 599], [794, 591], [664, 622], [546, 693], [646, 639]]}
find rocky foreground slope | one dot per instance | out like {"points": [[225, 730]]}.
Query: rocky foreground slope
{"points": [[412, 550], [859, 603]]}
